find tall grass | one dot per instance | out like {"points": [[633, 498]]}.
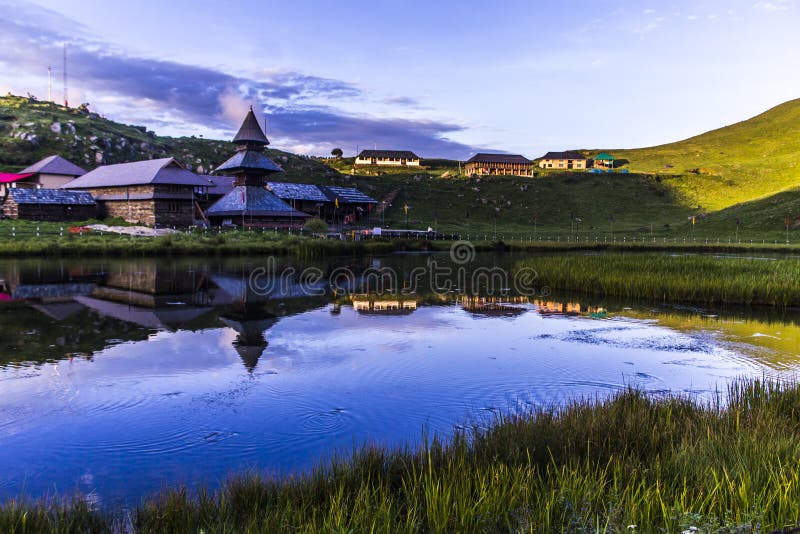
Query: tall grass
{"points": [[662, 464], [661, 278]]}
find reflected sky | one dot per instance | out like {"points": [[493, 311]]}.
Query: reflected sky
{"points": [[280, 384]]}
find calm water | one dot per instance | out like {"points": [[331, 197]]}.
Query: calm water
{"points": [[120, 378]]}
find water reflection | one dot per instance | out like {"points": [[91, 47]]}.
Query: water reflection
{"points": [[119, 377]]}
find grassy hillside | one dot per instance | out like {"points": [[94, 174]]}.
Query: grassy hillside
{"points": [[747, 171], [31, 130], [742, 162]]}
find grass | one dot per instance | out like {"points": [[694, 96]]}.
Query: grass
{"points": [[669, 278], [630, 463]]}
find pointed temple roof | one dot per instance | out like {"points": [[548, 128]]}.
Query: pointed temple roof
{"points": [[252, 201], [248, 160], [250, 131]]}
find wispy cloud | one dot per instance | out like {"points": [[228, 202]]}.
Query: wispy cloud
{"points": [[773, 5], [302, 107]]}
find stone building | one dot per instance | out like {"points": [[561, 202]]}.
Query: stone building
{"points": [[157, 192], [49, 205]]}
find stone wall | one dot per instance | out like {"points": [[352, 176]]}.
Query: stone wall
{"points": [[48, 212]]}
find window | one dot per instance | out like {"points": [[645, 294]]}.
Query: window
{"points": [[173, 207]]}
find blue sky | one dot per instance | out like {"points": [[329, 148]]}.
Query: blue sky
{"points": [[441, 78]]}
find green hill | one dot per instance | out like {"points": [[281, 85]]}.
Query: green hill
{"points": [[747, 171], [32, 129], [742, 162]]}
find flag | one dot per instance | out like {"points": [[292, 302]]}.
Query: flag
{"points": [[467, 216], [405, 208], [243, 196], [536, 216], [737, 221], [336, 203], [787, 221], [693, 220]]}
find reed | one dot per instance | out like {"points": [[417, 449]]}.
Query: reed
{"points": [[699, 279], [663, 464]]}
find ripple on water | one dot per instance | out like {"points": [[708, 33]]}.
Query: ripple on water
{"points": [[157, 443]]}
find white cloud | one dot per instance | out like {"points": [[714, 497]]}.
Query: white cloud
{"points": [[773, 5]]}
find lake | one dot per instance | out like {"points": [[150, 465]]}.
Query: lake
{"points": [[122, 377]]}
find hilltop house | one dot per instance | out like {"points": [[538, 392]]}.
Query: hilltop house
{"points": [[52, 172], [570, 159], [48, 205], [249, 203], [603, 160], [499, 164], [396, 158], [157, 192]]}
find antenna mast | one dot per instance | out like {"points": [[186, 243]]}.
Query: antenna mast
{"points": [[66, 99], [49, 84]]}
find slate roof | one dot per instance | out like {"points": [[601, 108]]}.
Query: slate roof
{"points": [[250, 131], [50, 196], [381, 154], [55, 165], [292, 191], [220, 185], [569, 154], [153, 171], [483, 157], [251, 160], [347, 195], [251, 200]]}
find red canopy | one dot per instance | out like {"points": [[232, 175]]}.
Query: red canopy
{"points": [[8, 177]]}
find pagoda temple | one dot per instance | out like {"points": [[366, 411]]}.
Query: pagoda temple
{"points": [[249, 203]]}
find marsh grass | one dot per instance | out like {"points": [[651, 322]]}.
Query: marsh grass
{"points": [[663, 464], [699, 279]]}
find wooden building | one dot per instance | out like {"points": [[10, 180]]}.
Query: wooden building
{"points": [[157, 192], [51, 173], [249, 202], [603, 160], [569, 160], [331, 203], [49, 205], [392, 158], [499, 164]]}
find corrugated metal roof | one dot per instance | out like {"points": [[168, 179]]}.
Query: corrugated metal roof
{"points": [[290, 191], [604, 156], [250, 131], [50, 196], [347, 195], [498, 158], [251, 200], [569, 154], [252, 160], [402, 154], [56, 165], [153, 171]]}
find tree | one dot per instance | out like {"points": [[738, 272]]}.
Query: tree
{"points": [[316, 226], [337, 153]]}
